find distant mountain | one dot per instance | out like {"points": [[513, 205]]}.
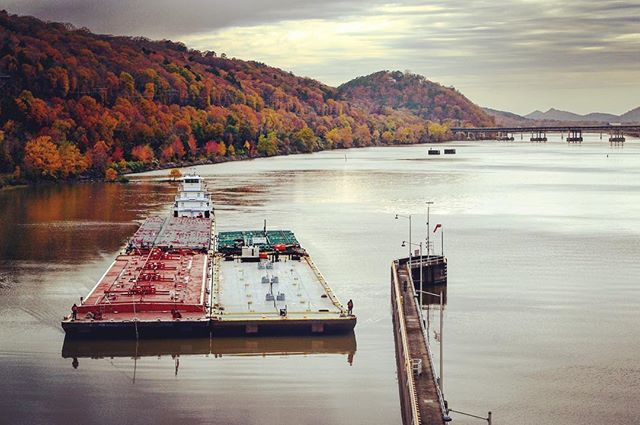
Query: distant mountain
{"points": [[565, 116], [413, 93], [507, 119], [631, 116]]}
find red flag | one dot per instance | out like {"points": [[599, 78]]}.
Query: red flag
{"points": [[435, 229]]}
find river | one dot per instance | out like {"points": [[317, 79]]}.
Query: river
{"points": [[541, 322]]}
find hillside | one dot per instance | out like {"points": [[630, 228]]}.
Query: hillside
{"points": [[76, 103], [412, 93]]}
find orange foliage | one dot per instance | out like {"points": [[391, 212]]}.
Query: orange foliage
{"points": [[72, 161], [168, 153], [142, 153], [41, 157], [192, 144], [178, 148], [110, 175], [175, 174]]}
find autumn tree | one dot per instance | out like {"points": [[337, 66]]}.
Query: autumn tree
{"points": [[268, 144], [362, 135], [437, 132], [149, 90], [42, 158], [340, 137], [110, 175], [178, 148], [34, 109], [305, 140], [72, 161], [192, 145], [167, 153], [175, 174], [142, 153], [222, 149], [127, 83], [99, 156]]}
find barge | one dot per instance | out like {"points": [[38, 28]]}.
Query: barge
{"points": [[176, 278]]}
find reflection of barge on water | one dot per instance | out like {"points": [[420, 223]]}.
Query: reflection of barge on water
{"points": [[234, 346], [172, 281]]}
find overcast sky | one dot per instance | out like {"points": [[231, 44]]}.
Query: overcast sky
{"points": [[515, 55]]}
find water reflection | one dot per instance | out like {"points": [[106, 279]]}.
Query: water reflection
{"points": [[218, 347], [73, 222]]}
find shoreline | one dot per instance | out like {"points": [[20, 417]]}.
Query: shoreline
{"points": [[123, 177], [171, 165]]}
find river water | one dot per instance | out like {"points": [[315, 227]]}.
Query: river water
{"points": [[542, 321]]}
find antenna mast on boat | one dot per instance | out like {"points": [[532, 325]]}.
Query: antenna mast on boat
{"points": [[429, 203]]}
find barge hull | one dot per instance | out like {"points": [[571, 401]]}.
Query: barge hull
{"points": [[282, 327], [205, 328], [143, 330]]}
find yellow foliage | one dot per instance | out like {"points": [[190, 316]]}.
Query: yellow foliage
{"points": [[437, 132], [73, 162], [175, 174]]}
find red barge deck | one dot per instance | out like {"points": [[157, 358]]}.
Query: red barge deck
{"points": [[157, 287]]}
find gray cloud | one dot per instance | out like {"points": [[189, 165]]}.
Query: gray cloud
{"points": [[164, 18], [517, 54]]}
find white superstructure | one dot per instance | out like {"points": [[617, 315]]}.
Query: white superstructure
{"points": [[192, 199]]}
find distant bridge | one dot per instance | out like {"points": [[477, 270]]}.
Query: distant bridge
{"points": [[539, 133]]}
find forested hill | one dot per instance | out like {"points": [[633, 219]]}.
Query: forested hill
{"points": [[77, 103], [411, 92]]}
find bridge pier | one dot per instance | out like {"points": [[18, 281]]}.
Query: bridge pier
{"points": [[504, 136], [574, 136], [616, 137], [539, 136]]}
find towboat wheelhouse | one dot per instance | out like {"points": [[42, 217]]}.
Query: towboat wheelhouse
{"points": [[192, 199]]}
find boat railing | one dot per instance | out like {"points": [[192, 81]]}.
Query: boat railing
{"points": [[324, 283]]}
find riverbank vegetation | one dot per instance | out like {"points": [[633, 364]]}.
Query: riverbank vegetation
{"points": [[77, 104]]}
